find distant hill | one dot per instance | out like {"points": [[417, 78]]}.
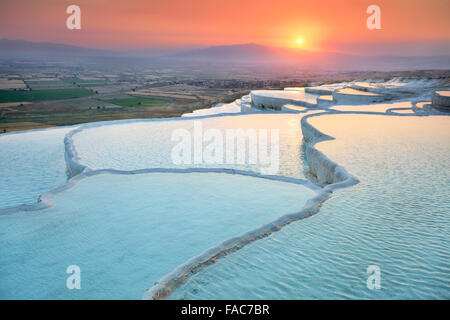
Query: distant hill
{"points": [[241, 52], [260, 54], [233, 55], [15, 48], [247, 53]]}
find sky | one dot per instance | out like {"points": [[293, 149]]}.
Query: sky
{"points": [[408, 27]]}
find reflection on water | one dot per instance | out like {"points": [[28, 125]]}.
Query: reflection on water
{"points": [[356, 92], [149, 145], [383, 107], [294, 95], [397, 218], [127, 231], [31, 163]]}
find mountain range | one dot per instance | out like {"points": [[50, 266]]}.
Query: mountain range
{"points": [[253, 54]]}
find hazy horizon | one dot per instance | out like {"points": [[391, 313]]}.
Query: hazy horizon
{"points": [[383, 51], [412, 28]]}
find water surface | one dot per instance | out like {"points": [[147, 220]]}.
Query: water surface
{"points": [[397, 218]]}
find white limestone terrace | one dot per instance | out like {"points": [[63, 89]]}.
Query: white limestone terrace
{"points": [[353, 96], [325, 101], [328, 174], [242, 105], [441, 100], [322, 90], [339, 95], [276, 99], [294, 108], [293, 99]]}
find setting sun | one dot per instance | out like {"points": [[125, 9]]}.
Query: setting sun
{"points": [[299, 40]]}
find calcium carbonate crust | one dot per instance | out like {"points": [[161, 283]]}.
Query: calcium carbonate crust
{"points": [[327, 175]]}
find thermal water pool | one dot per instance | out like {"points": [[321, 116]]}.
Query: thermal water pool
{"points": [[397, 218], [31, 163], [148, 144], [127, 231]]}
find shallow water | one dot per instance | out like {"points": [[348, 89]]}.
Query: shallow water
{"points": [[148, 144], [31, 163], [397, 218], [351, 91], [298, 94], [381, 107], [127, 231]]}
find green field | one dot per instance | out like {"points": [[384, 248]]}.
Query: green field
{"points": [[58, 94], [133, 101], [86, 82], [48, 84], [14, 96], [41, 95], [65, 83]]}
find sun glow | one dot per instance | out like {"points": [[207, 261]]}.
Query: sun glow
{"points": [[299, 41]]}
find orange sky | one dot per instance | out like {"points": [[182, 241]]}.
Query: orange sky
{"points": [[334, 25]]}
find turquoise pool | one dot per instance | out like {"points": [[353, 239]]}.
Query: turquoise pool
{"points": [[127, 227], [30, 164], [397, 218]]}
